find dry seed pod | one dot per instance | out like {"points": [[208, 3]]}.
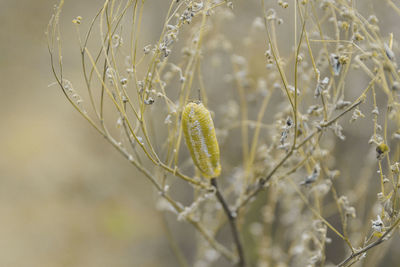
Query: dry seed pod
{"points": [[201, 140]]}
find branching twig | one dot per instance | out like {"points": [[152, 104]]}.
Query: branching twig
{"points": [[262, 181], [232, 222], [368, 247]]}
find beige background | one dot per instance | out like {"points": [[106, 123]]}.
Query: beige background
{"points": [[66, 197]]}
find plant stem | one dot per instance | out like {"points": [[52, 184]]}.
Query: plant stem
{"points": [[368, 247], [262, 181], [232, 223]]}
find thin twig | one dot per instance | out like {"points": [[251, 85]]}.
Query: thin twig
{"points": [[262, 181], [232, 222], [374, 244]]}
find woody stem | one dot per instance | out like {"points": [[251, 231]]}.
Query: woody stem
{"points": [[232, 222]]}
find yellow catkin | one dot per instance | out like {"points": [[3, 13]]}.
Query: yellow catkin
{"points": [[201, 140]]}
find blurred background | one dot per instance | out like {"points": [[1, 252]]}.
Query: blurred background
{"points": [[67, 198]]}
